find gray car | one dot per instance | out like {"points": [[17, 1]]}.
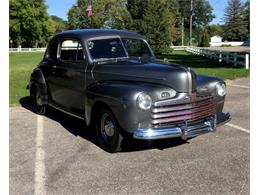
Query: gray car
{"points": [[112, 80]]}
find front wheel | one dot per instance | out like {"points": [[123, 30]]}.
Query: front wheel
{"points": [[108, 132], [37, 98]]}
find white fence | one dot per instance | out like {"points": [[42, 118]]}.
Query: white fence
{"points": [[27, 49], [178, 47], [228, 57], [231, 43]]}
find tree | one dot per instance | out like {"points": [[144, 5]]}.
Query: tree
{"points": [[202, 16], [235, 26], [153, 19], [215, 29], [204, 41], [247, 16], [174, 9], [30, 25], [59, 24], [106, 14]]}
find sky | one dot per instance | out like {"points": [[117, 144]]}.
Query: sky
{"points": [[60, 8]]}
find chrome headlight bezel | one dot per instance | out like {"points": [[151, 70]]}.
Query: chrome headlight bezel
{"points": [[144, 101], [221, 89]]}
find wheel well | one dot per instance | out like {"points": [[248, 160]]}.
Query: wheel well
{"points": [[98, 106], [32, 89]]}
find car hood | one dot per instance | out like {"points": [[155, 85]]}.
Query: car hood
{"points": [[180, 78]]}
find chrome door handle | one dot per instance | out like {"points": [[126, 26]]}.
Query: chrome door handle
{"points": [[54, 66]]}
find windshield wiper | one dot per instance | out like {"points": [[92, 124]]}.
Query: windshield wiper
{"points": [[109, 60], [141, 58]]}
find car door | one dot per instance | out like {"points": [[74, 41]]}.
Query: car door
{"points": [[67, 81]]}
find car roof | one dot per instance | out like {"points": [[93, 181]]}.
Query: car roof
{"points": [[85, 34]]}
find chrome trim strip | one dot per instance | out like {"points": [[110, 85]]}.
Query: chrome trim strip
{"points": [[184, 131], [183, 117], [157, 134], [74, 115], [181, 97], [181, 113], [182, 107]]}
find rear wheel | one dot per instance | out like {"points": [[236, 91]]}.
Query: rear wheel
{"points": [[37, 98], [108, 132]]}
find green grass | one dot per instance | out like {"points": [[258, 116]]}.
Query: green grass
{"points": [[203, 65], [20, 68], [22, 64]]}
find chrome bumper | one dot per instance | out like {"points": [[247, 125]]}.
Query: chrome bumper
{"points": [[186, 131]]}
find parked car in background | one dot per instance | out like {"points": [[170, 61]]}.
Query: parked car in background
{"points": [[112, 79]]}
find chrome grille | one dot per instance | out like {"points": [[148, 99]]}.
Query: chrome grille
{"points": [[193, 108]]}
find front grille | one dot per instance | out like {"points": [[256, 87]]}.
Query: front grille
{"points": [[195, 108]]}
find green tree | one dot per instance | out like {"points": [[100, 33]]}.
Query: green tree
{"points": [[30, 25], [174, 9], [247, 16], [153, 19], [202, 16], [215, 29], [204, 40], [106, 14], [59, 24], [235, 26]]}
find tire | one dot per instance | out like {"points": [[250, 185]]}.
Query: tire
{"points": [[39, 107], [108, 132]]}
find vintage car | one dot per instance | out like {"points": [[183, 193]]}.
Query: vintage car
{"points": [[112, 79]]}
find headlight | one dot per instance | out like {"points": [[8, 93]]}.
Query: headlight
{"points": [[144, 101], [221, 89]]}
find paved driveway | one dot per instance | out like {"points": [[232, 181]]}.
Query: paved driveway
{"points": [[57, 155]]}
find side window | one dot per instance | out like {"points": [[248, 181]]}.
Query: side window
{"points": [[52, 51], [71, 51]]}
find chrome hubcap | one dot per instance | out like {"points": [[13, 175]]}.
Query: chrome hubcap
{"points": [[38, 99], [107, 128]]}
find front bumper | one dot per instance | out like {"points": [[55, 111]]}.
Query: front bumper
{"points": [[185, 131]]}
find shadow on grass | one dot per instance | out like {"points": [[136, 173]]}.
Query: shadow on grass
{"points": [[78, 127], [195, 61]]}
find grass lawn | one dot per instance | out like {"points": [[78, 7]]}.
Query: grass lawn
{"points": [[20, 68], [22, 64], [203, 65]]}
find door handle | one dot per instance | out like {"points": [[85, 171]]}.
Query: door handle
{"points": [[54, 66], [53, 72]]}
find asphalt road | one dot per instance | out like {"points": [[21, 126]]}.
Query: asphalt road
{"points": [[58, 155]]}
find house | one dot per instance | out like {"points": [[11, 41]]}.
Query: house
{"points": [[216, 40]]}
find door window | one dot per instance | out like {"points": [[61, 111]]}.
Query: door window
{"points": [[71, 51]]}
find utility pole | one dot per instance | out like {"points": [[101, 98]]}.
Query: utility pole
{"points": [[182, 31], [191, 12]]}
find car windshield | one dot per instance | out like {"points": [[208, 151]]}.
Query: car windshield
{"points": [[137, 48], [113, 48]]}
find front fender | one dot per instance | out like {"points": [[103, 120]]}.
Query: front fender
{"points": [[208, 84], [121, 99]]}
